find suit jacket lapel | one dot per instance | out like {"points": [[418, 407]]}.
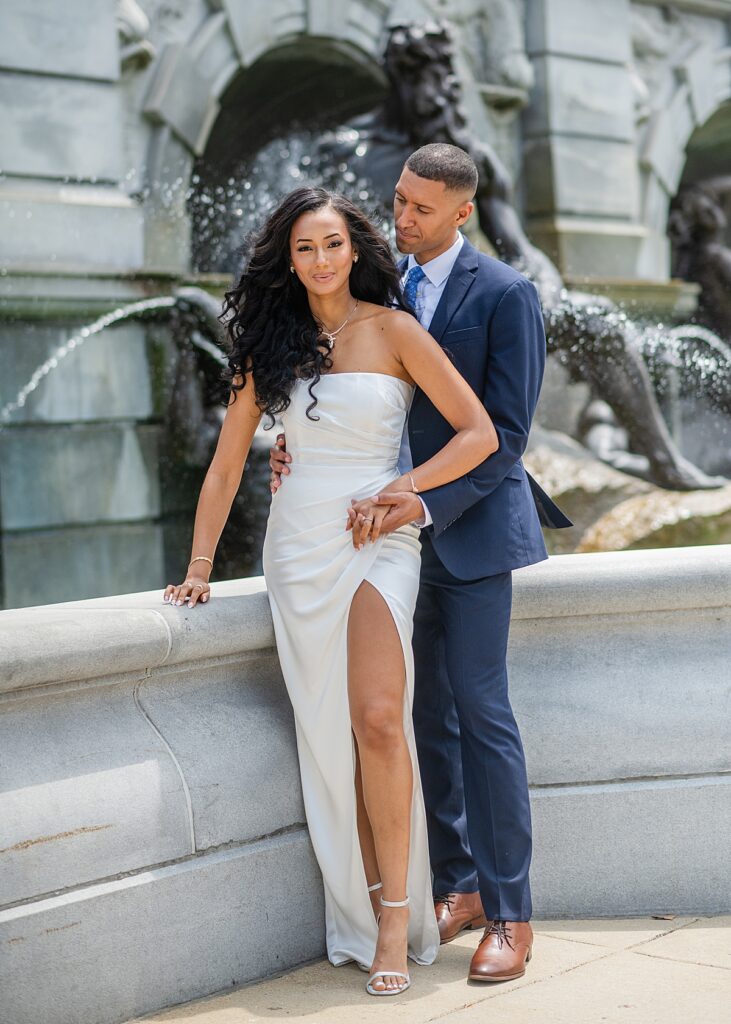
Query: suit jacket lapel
{"points": [[458, 284]]}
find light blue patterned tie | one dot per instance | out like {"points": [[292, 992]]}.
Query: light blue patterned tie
{"points": [[413, 278]]}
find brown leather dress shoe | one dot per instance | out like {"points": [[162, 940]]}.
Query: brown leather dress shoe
{"points": [[458, 911], [504, 950]]}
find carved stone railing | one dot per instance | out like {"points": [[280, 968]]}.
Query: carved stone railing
{"points": [[152, 837]]}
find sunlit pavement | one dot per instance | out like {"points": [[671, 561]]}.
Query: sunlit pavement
{"points": [[619, 971]]}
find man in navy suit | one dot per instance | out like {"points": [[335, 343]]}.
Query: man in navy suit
{"points": [[475, 531]]}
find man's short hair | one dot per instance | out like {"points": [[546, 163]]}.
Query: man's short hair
{"points": [[441, 162]]}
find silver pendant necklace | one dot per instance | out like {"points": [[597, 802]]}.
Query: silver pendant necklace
{"points": [[331, 335]]}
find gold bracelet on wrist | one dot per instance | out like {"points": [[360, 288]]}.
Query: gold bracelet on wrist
{"points": [[414, 488], [201, 558]]}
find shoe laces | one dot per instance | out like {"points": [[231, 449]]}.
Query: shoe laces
{"points": [[499, 928], [446, 898]]}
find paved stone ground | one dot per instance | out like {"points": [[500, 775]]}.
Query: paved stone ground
{"points": [[629, 971]]}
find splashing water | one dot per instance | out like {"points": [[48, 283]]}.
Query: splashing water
{"points": [[225, 213], [687, 359], [199, 341], [683, 361], [699, 360], [132, 309]]}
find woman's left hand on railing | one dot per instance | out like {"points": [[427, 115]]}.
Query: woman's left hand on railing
{"points": [[192, 590]]}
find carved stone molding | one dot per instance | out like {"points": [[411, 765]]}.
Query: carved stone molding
{"points": [[681, 70], [190, 77], [713, 7], [132, 26]]}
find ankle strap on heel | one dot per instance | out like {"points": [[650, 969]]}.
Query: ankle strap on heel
{"points": [[376, 885], [394, 903]]}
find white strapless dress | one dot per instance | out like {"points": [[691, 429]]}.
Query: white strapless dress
{"points": [[312, 572]]}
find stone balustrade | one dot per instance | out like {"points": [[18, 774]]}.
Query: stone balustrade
{"points": [[152, 836]]}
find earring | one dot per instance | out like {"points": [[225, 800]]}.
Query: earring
{"points": [[291, 270], [355, 257]]}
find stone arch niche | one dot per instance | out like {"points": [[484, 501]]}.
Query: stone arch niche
{"points": [[239, 60], [305, 85], [700, 93]]}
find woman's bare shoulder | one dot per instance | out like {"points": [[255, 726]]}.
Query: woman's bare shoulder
{"points": [[397, 321], [375, 312]]}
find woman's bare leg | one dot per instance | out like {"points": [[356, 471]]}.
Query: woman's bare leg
{"points": [[376, 685]]}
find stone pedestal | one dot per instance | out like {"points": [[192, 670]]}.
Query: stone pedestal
{"points": [[581, 179]]}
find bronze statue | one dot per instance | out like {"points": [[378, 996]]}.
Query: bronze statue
{"points": [[599, 431], [698, 230]]}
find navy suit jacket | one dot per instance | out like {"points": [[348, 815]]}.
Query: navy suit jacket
{"points": [[490, 324]]}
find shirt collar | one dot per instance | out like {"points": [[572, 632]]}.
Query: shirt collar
{"points": [[439, 269]]}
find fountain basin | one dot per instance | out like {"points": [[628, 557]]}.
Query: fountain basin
{"points": [[151, 805]]}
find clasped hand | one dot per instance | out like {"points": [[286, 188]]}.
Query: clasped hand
{"points": [[369, 518], [390, 511]]}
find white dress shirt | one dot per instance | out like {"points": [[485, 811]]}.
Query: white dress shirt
{"points": [[428, 293]]}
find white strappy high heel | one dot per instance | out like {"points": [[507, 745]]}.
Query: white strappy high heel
{"points": [[386, 974]]}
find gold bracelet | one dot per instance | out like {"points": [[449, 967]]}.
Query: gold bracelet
{"points": [[414, 488], [200, 558]]}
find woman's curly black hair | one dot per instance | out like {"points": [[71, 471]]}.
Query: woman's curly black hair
{"points": [[270, 326]]}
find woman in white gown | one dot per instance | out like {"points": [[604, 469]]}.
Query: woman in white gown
{"points": [[315, 340]]}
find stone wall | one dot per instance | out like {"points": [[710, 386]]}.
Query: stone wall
{"points": [[152, 837], [79, 499]]}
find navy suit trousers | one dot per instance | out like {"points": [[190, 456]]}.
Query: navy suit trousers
{"points": [[470, 753]]}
